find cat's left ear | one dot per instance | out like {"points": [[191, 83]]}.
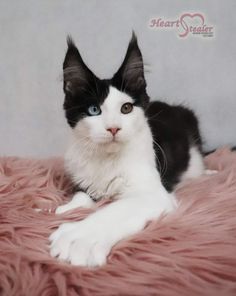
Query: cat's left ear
{"points": [[130, 75]]}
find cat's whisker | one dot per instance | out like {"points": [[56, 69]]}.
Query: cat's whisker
{"points": [[155, 115], [158, 162], [163, 170]]}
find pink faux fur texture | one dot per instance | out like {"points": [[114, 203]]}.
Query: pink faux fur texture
{"points": [[189, 252]]}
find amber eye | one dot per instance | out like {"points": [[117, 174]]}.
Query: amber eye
{"points": [[126, 108]]}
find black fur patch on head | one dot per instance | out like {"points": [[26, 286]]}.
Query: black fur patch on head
{"points": [[83, 88]]}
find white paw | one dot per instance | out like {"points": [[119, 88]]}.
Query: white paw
{"points": [[80, 243], [210, 172], [80, 199]]}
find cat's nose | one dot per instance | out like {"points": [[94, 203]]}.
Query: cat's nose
{"points": [[113, 130]]}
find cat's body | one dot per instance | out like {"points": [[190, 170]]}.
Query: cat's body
{"points": [[122, 147], [103, 174]]}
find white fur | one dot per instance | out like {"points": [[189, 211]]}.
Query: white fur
{"points": [[80, 199], [196, 165], [123, 168], [210, 172]]}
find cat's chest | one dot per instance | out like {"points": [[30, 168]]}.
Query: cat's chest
{"points": [[102, 178]]}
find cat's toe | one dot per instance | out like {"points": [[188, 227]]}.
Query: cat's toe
{"points": [[61, 247], [79, 253], [98, 256], [61, 230], [79, 244], [88, 252], [61, 240]]}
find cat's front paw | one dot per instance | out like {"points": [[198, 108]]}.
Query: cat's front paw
{"points": [[79, 243], [80, 199]]}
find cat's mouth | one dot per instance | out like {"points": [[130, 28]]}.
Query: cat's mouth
{"points": [[114, 140]]}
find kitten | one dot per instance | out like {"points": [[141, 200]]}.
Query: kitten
{"points": [[122, 147]]}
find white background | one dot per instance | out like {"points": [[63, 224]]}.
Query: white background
{"points": [[199, 72]]}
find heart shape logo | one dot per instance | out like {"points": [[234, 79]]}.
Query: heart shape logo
{"points": [[194, 17]]}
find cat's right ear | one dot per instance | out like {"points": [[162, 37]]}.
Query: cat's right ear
{"points": [[130, 75], [75, 73]]}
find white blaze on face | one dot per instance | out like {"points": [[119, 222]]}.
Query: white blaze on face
{"points": [[111, 108], [95, 128]]}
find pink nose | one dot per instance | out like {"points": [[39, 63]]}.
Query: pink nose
{"points": [[113, 130]]}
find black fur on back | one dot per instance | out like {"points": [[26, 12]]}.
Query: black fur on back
{"points": [[175, 130]]}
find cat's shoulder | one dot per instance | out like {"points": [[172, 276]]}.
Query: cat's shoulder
{"points": [[173, 115], [165, 109]]}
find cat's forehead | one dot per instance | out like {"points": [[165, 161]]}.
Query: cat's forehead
{"points": [[115, 98]]}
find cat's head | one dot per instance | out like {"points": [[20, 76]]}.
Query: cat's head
{"points": [[105, 111]]}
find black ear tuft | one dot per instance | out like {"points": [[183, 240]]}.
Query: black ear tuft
{"points": [[73, 57], [70, 41], [131, 72], [134, 39], [76, 73]]}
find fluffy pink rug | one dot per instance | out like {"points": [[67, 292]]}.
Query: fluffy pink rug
{"points": [[189, 252]]}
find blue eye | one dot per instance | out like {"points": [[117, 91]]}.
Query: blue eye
{"points": [[94, 110]]}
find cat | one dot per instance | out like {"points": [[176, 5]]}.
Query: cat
{"points": [[123, 147]]}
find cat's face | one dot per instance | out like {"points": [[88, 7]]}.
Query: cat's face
{"points": [[106, 112]]}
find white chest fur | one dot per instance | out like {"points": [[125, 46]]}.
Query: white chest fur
{"points": [[97, 175], [112, 170]]}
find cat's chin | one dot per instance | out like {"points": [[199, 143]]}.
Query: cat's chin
{"points": [[112, 147]]}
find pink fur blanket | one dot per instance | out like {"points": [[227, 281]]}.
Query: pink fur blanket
{"points": [[191, 251]]}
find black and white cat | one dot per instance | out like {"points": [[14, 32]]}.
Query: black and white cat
{"points": [[122, 147]]}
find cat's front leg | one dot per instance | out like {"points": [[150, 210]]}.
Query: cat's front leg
{"points": [[80, 199], [88, 242]]}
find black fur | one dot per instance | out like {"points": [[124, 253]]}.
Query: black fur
{"points": [[82, 88], [174, 128]]}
